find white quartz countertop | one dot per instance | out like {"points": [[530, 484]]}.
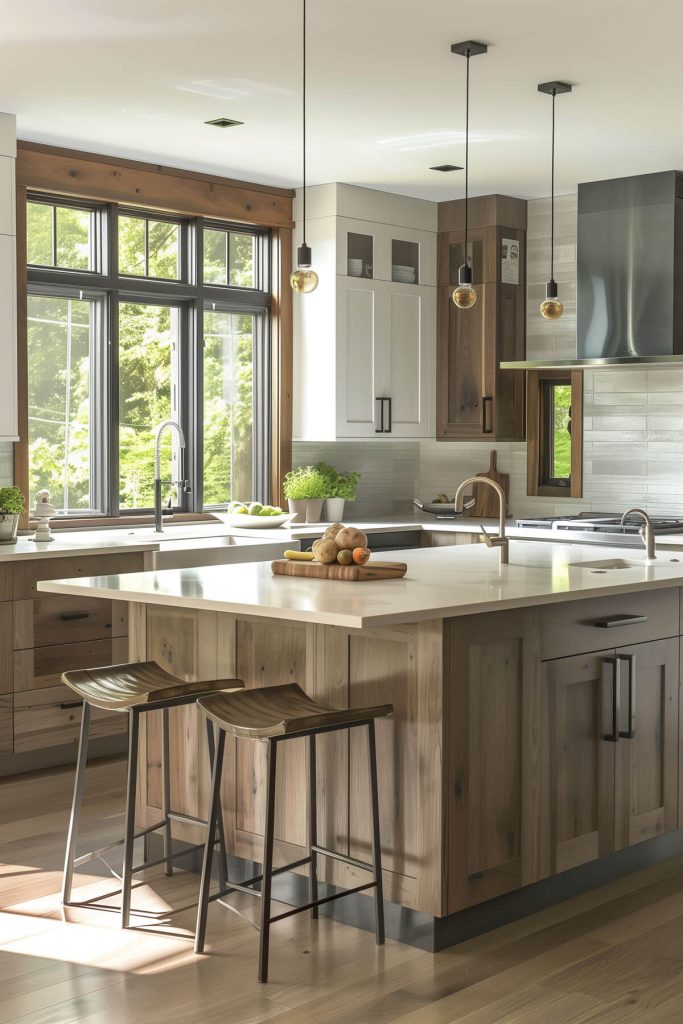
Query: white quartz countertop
{"points": [[441, 582], [92, 542]]}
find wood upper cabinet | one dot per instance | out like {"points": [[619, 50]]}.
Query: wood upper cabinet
{"points": [[496, 789], [475, 399], [611, 787]]}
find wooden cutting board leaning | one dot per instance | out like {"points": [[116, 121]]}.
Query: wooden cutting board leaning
{"points": [[486, 499], [349, 573]]}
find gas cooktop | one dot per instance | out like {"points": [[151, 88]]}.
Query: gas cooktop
{"points": [[601, 522]]}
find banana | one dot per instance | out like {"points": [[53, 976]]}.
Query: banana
{"points": [[300, 556]]}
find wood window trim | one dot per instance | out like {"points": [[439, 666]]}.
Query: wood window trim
{"points": [[175, 191], [535, 488]]}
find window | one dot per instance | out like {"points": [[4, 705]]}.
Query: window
{"points": [[554, 433], [169, 319]]}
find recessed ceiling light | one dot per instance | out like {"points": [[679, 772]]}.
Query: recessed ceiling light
{"points": [[446, 167], [223, 122]]}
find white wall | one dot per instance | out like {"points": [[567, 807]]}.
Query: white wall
{"points": [[633, 427]]}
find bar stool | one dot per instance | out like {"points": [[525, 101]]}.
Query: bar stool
{"points": [[272, 715], [135, 689]]}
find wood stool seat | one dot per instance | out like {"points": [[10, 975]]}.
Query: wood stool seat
{"points": [[273, 715], [280, 711], [120, 687]]}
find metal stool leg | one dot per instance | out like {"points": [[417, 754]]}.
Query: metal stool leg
{"points": [[212, 825], [79, 782], [166, 792], [129, 835], [376, 848], [211, 731], [312, 826], [271, 759]]}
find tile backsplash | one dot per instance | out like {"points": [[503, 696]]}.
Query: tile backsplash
{"points": [[6, 463], [633, 418]]}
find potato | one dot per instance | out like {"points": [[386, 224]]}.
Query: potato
{"points": [[344, 557], [332, 531], [351, 538], [325, 551]]}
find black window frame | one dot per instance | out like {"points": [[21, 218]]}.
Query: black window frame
{"points": [[193, 296]]}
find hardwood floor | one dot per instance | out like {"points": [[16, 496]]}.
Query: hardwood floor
{"points": [[610, 957]]}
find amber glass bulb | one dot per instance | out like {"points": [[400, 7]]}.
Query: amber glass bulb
{"points": [[464, 296], [551, 309], [304, 280]]}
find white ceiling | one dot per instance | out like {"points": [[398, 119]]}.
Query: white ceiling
{"points": [[138, 78]]}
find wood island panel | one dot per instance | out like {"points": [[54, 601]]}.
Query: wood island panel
{"points": [[6, 647]]}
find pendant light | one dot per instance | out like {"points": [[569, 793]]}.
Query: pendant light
{"points": [[464, 295], [551, 307], [304, 279]]}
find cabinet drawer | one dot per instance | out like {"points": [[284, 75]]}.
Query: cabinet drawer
{"points": [[6, 723], [51, 717], [59, 620], [574, 627], [41, 667], [6, 581], [26, 574]]}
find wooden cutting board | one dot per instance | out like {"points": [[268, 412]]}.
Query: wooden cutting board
{"points": [[351, 573], [486, 506]]}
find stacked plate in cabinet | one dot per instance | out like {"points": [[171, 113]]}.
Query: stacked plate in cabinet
{"points": [[404, 275]]}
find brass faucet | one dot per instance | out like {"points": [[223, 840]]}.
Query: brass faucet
{"points": [[646, 531], [501, 541]]}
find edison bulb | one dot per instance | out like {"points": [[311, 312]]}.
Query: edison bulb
{"points": [[551, 308], [304, 280], [464, 296]]}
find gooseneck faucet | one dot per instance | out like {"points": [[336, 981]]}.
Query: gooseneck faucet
{"points": [[158, 514], [501, 541], [646, 531]]}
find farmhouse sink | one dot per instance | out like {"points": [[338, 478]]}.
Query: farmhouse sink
{"points": [[184, 553], [605, 564]]}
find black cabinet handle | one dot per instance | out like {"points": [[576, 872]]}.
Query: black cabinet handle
{"points": [[387, 430], [72, 616], [630, 660], [615, 665], [486, 402], [620, 620], [70, 704], [380, 429]]}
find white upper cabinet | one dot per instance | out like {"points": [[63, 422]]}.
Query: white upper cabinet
{"points": [[9, 419], [364, 341]]}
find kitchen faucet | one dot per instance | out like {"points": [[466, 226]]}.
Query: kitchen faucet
{"points": [[158, 515], [501, 541], [646, 531]]}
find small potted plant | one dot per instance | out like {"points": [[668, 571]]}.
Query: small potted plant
{"points": [[11, 507], [305, 490], [341, 487]]}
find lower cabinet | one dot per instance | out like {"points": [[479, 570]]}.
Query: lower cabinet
{"points": [[497, 797], [612, 723]]}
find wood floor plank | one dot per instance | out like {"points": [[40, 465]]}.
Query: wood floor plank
{"points": [[611, 956]]}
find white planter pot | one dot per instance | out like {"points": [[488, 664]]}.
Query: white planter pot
{"points": [[334, 510], [298, 507], [9, 524], [314, 510]]}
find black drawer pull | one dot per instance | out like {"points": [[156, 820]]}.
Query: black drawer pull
{"points": [[70, 704], [620, 620], [72, 616]]}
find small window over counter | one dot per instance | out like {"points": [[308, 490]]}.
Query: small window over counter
{"points": [[555, 433]]}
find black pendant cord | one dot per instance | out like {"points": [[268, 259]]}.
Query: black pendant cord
{"points": [[303, 93], [467, 150], [552, 194]]}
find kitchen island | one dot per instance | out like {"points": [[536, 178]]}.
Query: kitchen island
{"points": [[500, 779]]}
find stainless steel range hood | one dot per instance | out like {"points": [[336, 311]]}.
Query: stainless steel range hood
{"points": [[629, 275]]}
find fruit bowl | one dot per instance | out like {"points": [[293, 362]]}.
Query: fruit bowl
{"points": [[242, 521]]}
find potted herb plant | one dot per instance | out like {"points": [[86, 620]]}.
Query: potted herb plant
{"points": [[11, 507], [341, 487], [305, 490]]}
